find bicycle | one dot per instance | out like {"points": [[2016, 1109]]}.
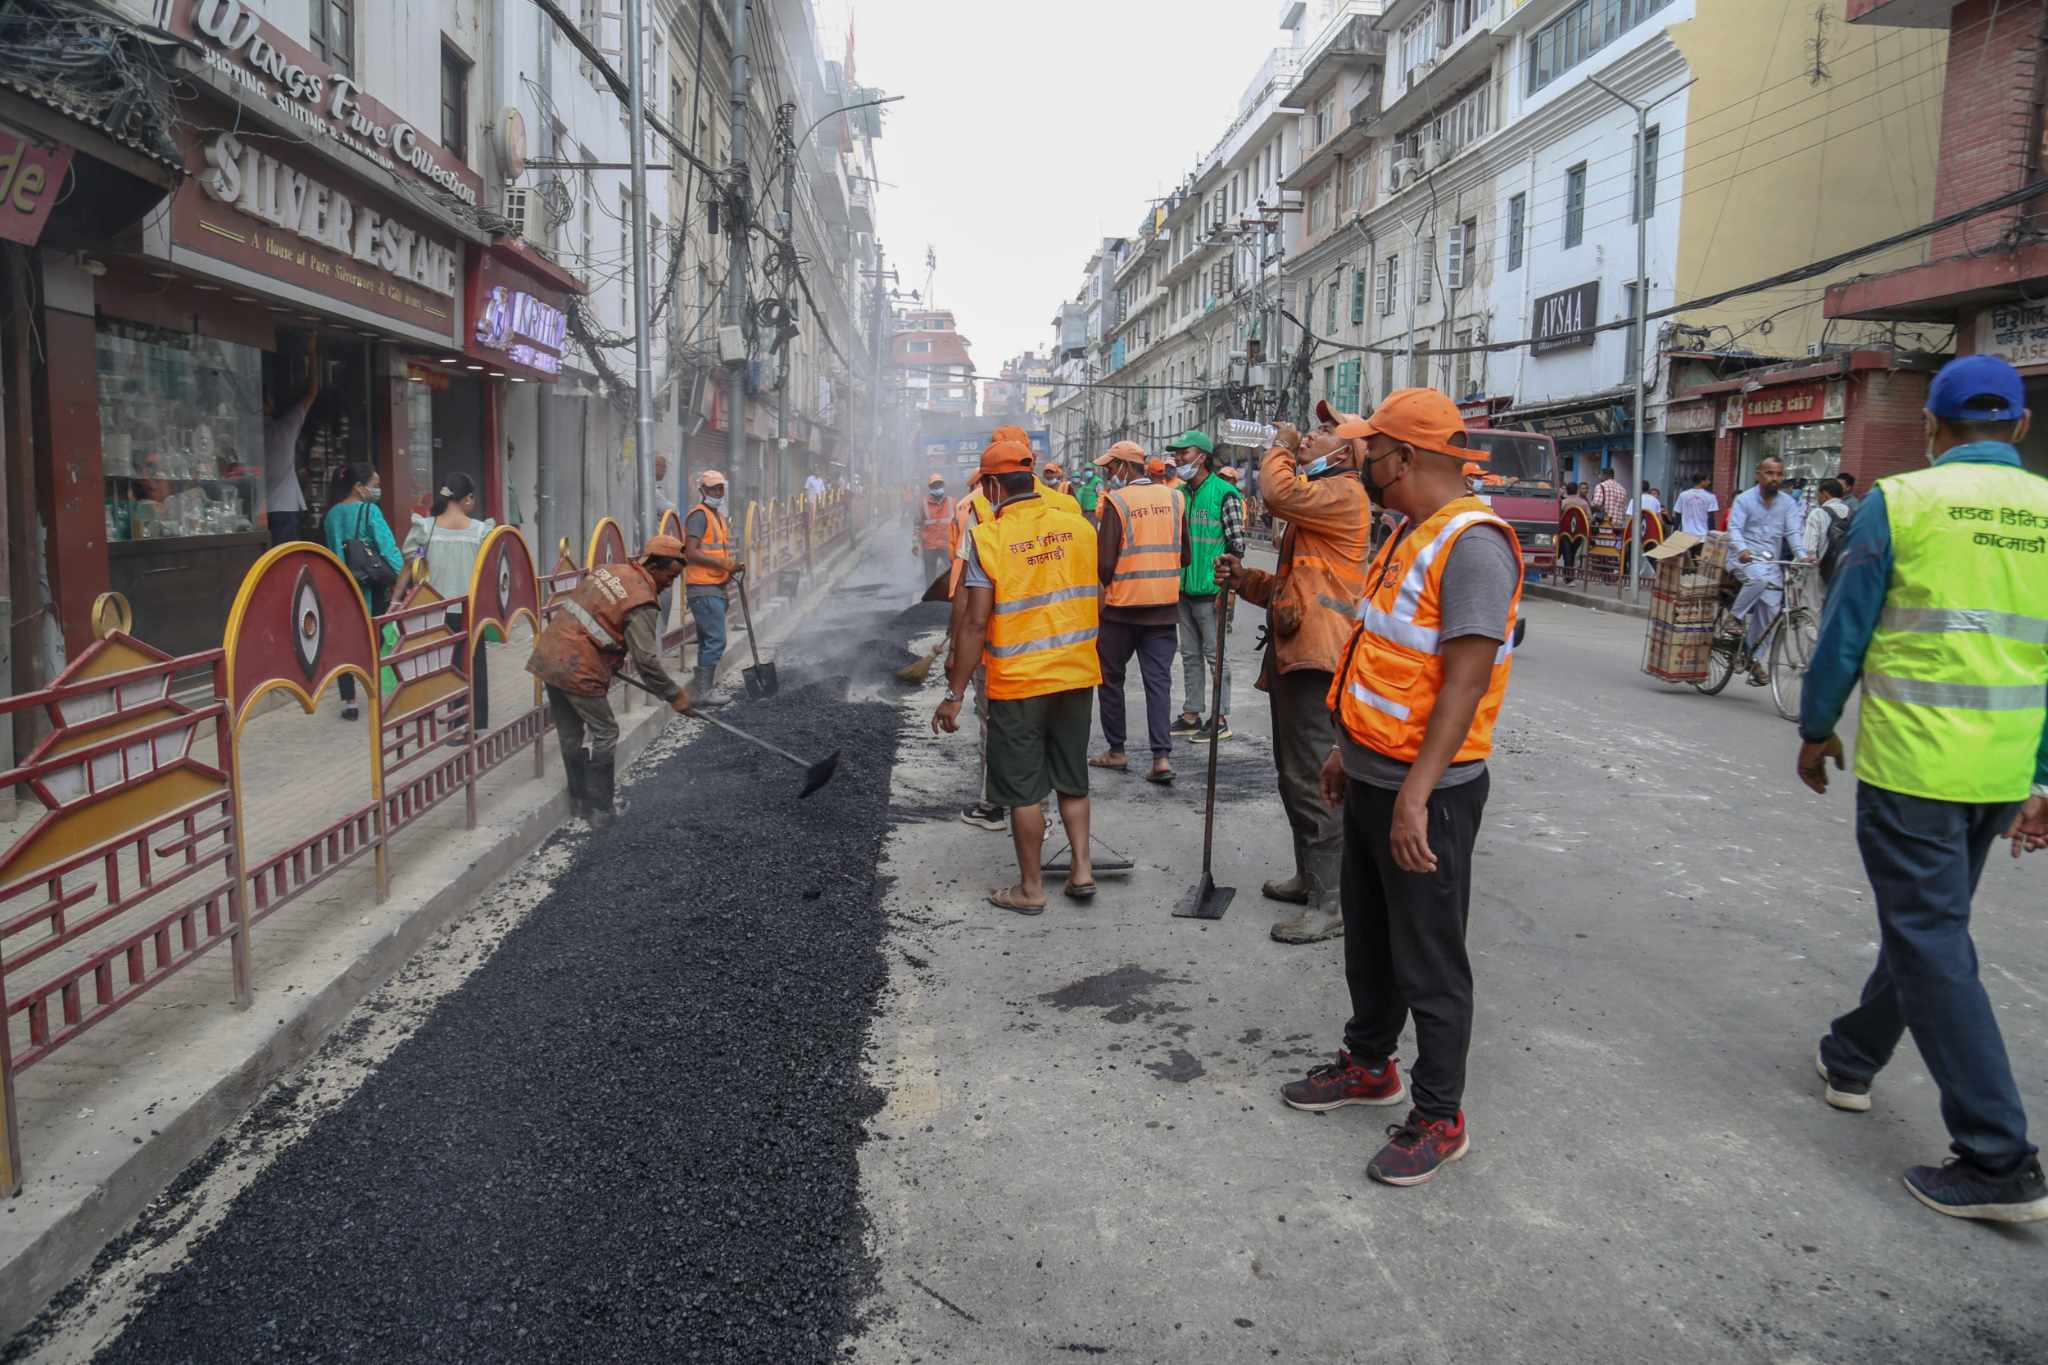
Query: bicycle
{"points": [[1785, 651]]}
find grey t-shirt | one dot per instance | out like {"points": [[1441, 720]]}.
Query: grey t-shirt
{"points": [[1479, 582]]}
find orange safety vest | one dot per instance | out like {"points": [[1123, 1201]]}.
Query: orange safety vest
{"points": [[1041, 635], [935, 532], [584, 643], [1148, 564], [978, 506], [717, 541], [1387, 689]]}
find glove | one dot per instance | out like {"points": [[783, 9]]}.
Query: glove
{"points": [[680, 703]]}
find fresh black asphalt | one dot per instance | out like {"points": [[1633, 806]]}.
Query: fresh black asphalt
{"points": [[632, 1133]]}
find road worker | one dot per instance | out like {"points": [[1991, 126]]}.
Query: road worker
{"points": [[1055, 478], [1310, 600], [935, 528], [613, 614], [1215, 527], [1141, 548], [712, 558], [1087, 490], [1030, 591], [1420, 687]]}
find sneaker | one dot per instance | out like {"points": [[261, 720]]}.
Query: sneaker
{"points": [[1183, 725], [350, 712], [1961, 1190], [983, 815], [1222, 731], [1842, 1092], [1417, 1148], [1345, 1081]]}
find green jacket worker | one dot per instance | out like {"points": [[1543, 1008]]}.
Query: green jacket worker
{"points": [[1940, 606]]}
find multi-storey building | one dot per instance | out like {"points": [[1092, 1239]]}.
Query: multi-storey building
{"points": [[936, 362]]}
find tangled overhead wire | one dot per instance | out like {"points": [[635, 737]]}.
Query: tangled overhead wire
{"points": [[94, 65]]}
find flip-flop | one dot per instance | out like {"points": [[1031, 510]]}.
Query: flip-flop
{"points": [[1001, 900], [1100, 762], [1079, 891], [1164, 779]]}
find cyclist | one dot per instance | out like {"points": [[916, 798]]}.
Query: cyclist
{"points": [[1764, 520]]}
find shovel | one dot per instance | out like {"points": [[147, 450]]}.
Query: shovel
{"points": [[816, 774], [1208, 900], [760, 679]]}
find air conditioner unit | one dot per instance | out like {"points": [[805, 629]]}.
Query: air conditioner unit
{"points": [[1436, 154], [1420, 71], [1406, 170]]}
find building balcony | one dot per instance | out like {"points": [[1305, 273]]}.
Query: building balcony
{"points": [[1349, 43], [1902, 13], [1468, 57]]}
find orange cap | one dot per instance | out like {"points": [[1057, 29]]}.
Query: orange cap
{"points": [[1007, 433], [710, 476], [1155, 467], [1053, 471], [1472, 468], [1228, 473], [1005, 457], [1424, 418], [1123, 452], [662, 547]]}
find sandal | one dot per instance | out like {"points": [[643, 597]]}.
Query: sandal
{"points": [[1007, 899], [1079, 891], [1162, 776], [1115, 765]]}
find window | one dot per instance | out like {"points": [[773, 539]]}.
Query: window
{"points": [[675, 102], [1643, 202], [1324, 120], [1518, 212], [1389, 290], [1319, 214], [1418, 366], [1461, 383], [1631, 364], [1330, 385], [1575, 205], [1386, 375], [920, 348], [1425, 269], [1419, 44], [333, 34], [1579, 32], [455, 103], [1361, 171], [1464, 123], [1330, 311], [1459, 263], [1358, 295]]}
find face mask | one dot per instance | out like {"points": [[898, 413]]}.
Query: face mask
{"points": [[937, 490], [1185, 471], [1368, 474], [716, 504], [1317, 468]]}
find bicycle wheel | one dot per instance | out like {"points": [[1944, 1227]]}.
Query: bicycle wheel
{"points": [[1791, 655], [1721, 652]]}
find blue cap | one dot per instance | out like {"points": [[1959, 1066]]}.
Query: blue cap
{"points": [[1960, 391]]}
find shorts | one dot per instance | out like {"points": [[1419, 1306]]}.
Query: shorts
{"points": [[1038, 745]]}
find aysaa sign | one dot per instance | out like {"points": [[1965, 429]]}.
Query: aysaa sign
{"points": [[262, 62]]}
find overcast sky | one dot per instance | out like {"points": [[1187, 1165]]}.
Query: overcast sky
{"points": [[1030, 129]]}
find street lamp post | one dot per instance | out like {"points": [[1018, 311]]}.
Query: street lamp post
{"points": [[1641, 200]]}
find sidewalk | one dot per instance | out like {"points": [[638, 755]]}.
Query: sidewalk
{"points": [[108, 1119], [1603, 598]]}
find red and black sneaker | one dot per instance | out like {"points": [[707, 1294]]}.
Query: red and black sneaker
{"points": [[1346, 1081], [1417, 1148]]}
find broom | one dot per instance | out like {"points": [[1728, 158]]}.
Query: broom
{"points": [[939, 590]]}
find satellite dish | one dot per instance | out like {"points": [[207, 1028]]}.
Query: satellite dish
{"points": [[511, 132]]}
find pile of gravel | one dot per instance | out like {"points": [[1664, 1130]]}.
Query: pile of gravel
{"points": [[632, 1134]]}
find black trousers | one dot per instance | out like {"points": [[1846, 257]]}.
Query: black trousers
{"points": [[1404, 939]]}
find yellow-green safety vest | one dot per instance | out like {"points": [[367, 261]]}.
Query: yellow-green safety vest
{"points": [[1955, 681]]}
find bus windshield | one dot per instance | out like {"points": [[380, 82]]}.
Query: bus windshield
{"points": [[1518, 458]]}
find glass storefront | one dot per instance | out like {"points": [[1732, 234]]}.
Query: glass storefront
{"points": [[181, 433], [1810, 452]]}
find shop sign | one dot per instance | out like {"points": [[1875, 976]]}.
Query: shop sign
{"points": [[1575, 426], [518, 320], [1784, 404], [31, 177], [2014, 332], [252, 208], [1564, 320], [261, 61], [1681, 418]]}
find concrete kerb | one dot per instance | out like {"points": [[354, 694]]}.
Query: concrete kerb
{"points": [[1598, 601], [46, 1238]]}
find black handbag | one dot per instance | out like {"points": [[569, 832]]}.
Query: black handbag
{"points": [[366, 563]]}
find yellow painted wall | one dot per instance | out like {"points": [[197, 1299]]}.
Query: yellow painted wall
{"points": [[1782, 169]]}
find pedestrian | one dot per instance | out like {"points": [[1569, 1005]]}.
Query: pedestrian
{"points": [[1696, 507], [1824, 529], [1610, 499], [664, 501], [448, 540], [1650, 502], [353, 514], [1945, 623], [1763, 525], [613, 614], [1055, 478], [712, 561], [283, 495], [1309, 598], [935, 529], [1416, 697], [1141, 548], [814, 487], [1031, 606], [1849, 497], [1215, 527]]}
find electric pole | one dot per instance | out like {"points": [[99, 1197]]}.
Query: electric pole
{"points": [[785, 139], [737, 212], [642, 277]]}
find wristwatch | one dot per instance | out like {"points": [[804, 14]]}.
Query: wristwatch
{"points": [[955, 697], [2041, 790]]}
